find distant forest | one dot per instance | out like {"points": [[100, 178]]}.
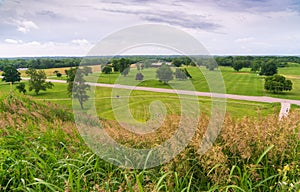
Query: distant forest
{"points": [[59, 62]]}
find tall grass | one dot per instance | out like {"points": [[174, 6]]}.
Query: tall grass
{"points": [[41, 150]]}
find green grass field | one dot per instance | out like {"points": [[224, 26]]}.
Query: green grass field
{"points": [[41, 149], [243, 82], [140, 100]]}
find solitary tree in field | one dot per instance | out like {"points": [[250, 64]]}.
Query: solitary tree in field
{"points": [[139, 76], [57, 73], [180, 74], [76, 83], [37, 81], [11, 74], [277, 84], [164, 73]]}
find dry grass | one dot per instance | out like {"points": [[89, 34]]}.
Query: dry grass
{"points": [[50, 72], [240, 144]]}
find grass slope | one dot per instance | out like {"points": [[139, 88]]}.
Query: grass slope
{"points": [[41, 150]]}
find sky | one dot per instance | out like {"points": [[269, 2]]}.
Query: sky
{"points": [[224, 27]]}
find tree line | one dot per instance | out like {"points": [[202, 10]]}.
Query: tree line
{"points": [[210, 62]]}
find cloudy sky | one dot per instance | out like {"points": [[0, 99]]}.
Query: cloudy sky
{"points": [[73, 27]]}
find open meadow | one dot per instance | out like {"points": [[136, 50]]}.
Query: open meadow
{"points": [[243, 82], [42, 150]]}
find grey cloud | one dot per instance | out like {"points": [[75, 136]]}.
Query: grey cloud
{"points": [[174, 18], [47, 13], [256, 5]]}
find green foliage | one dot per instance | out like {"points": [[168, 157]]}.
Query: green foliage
{"points": [[238, 65], [180, 74], [139, 76], [224, 61], [277, 84], [11, 74], [211, 64], [76, 83], [71, 73], [269, 68], [121, 65], [57, 73], [21, 88], [255, 66], [107, 70], [37, 81], [177, 62], [164, 73]]}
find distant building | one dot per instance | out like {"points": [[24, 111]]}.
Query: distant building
{"points": [[22, 69], [158, 64]]}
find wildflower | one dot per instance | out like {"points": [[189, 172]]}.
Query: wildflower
{"points": [[286, 168]]}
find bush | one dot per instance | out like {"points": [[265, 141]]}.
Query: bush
{"points": [[277, 84]]}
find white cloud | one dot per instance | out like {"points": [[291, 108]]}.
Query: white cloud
{"points": [[245, 40], [80, 41], [34, 48], [24, 26], [13, 41]]}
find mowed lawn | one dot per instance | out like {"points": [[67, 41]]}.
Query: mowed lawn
{"points": [[241, 83], [140, 101], [292, 73]]}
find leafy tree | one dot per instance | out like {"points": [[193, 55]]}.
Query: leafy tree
{"points": [[21, 88], [107, 70], [177, 62], [139, 76], [164, 73], [268, 68], [37, 81], [57, 73], [11, 74], [238, 65], [255, 66], [180, 74], [277, 84], [76, 83], [124, 66], [71, 73], [115, 65], [211, 64], [125, 72]]}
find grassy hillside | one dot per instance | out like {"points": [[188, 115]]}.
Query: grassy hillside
{"points": [[140, 100], [41, 150]]}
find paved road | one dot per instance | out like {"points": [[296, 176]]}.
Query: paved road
{"points": [[184, 92]]}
